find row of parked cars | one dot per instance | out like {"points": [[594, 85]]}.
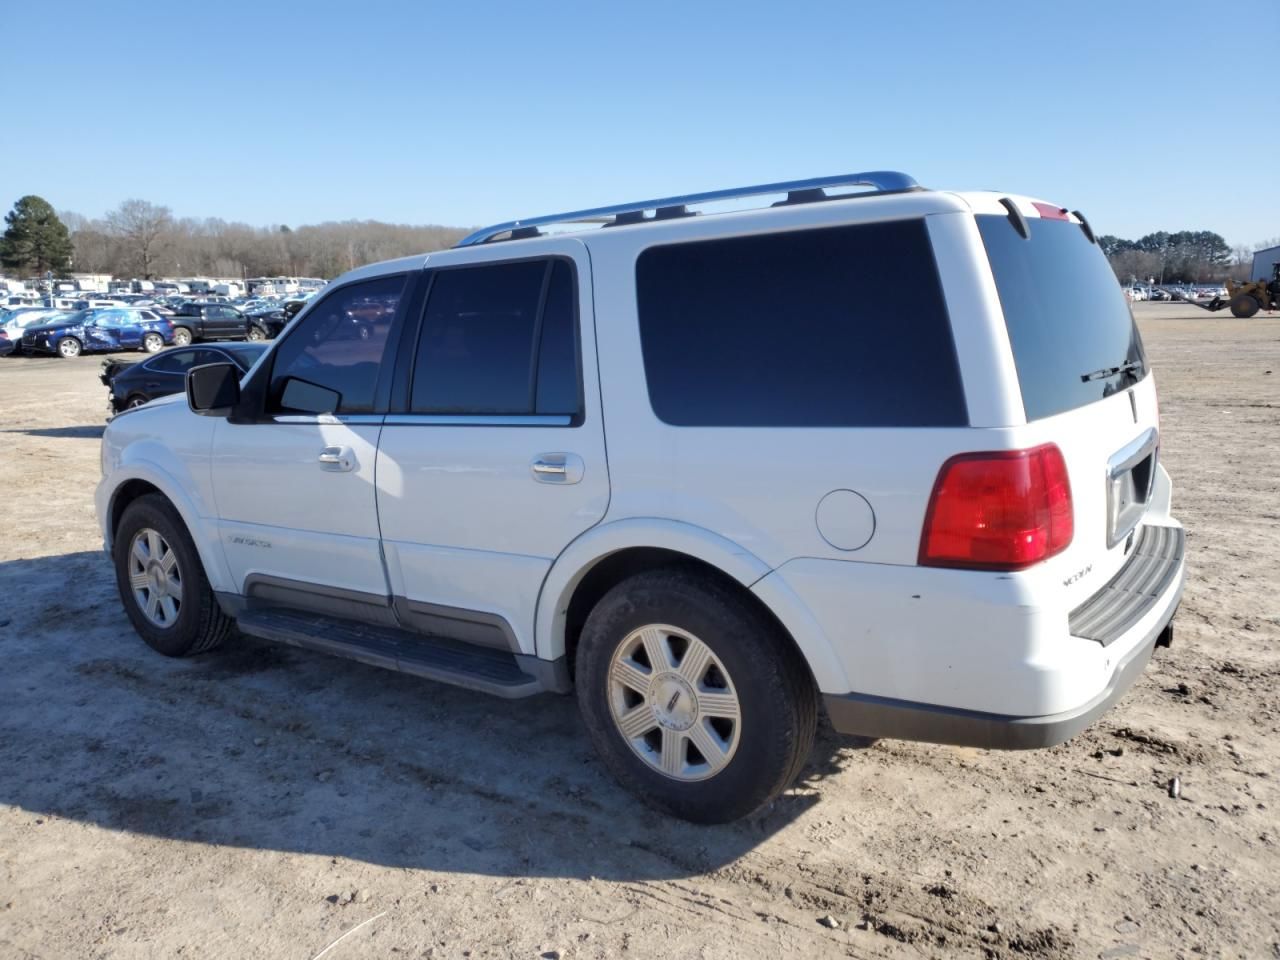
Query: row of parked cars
{"points": [[97, 325], [1178, 292]]}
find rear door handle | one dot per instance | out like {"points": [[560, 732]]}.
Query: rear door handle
{"points": [[557, 468], [337, 459]]}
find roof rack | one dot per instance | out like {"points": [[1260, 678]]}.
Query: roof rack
{"points": [[797, 191]]}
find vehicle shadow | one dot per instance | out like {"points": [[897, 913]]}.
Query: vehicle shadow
{"points": [[88, 432], [267, 747]]}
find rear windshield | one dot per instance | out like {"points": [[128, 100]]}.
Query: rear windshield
{"points": [[1074, 340]]}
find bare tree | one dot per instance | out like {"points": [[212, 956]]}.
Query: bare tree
{"points": [[140, 226]]}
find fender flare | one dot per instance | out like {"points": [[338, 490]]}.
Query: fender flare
{"points": [[204, 532], [577, 560]]}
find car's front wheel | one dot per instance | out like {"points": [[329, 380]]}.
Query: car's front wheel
{"points": [[153, 343], [257, 333], [69, 347], [162, 583], [694, 698]]}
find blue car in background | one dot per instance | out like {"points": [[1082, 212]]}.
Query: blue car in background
{"points": [[100, 330]]}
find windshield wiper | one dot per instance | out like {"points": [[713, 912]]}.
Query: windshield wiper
{"points": [[1127, 367]]}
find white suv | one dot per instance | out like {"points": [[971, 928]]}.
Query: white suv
{"points": [[891, 451]]}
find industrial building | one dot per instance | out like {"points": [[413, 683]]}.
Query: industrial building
{"points": [[1262, 261]]}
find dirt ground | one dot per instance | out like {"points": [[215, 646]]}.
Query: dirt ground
{"points": [[263, 801]]}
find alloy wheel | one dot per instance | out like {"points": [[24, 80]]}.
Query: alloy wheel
{"points": [[674, 703], [155, 578]]}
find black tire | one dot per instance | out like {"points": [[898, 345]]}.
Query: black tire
{"points": [[182, 337], [135, 400], [1245, 306], [69, 348], [777, 695], [256, 333], [200, 624]]}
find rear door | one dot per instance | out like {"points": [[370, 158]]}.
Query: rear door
{"points": [[492, 459], [1084, 378]]}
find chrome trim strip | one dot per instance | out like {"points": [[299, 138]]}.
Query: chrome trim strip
{"points": [[1120, 464], [476, 420], [883, 181], [1133, 452], [327, 418]]}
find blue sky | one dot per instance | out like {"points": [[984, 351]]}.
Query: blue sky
{"points": [[471, 112]]}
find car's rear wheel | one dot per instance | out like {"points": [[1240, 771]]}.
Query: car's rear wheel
{"points": [[181, 337], [695, 699], [162, 583], [1245, 306], [69, 347], [153, 343]]}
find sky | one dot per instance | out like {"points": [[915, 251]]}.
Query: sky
{"points": [[1143, 115]]}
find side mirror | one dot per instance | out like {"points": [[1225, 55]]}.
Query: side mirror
{"points": [[213, 388]]}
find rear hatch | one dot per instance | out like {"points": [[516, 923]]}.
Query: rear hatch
{"points": [[1085, 382]]}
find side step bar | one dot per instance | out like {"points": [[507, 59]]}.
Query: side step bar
{"points": [[491, 671]]}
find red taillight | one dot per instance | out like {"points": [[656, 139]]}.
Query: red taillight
{"points": [[1003, 510]]}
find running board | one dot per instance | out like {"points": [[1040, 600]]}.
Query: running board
{"points": [[436, 658]]}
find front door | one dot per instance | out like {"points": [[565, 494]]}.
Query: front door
{"points": [[492, 459], [295, 488]]}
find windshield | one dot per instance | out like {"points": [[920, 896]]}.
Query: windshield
{"points": [[1073, 337]]}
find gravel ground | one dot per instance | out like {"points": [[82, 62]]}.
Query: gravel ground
{"points": [[263, 801]]}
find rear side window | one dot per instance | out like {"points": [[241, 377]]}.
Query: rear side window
{"points": [[1073, 337], [499, 339], [837, 327]]}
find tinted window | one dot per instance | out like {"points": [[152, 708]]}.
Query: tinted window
{"points": [[173, 361], [1066, 314], [333, 349], [481, 332], [838, 327], [245, 358], [557, 384], [180, 361]]}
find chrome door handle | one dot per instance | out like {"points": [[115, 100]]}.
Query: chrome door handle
{"points": [[557, 468], [338, 459], [544, 468]]}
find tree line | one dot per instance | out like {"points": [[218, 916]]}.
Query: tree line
{"points": [[1188, 256], [144, 240]]}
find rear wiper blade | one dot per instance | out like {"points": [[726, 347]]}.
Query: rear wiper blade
{"points": [[1127, 367]]}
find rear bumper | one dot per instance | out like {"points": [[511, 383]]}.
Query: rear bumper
{"points": [[1150, 625], [897, 719]]}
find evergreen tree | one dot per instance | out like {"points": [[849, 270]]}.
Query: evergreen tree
{"points": [[35, 240]]}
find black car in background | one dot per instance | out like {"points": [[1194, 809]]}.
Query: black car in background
{"points": [[195, 320], [133, 384], [266, 322]]}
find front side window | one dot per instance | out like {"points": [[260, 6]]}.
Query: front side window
{"points": [[834, 327], [499, 339], [329, 363]]}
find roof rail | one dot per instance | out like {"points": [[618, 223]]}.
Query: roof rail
{"points": [[798, 191]]}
